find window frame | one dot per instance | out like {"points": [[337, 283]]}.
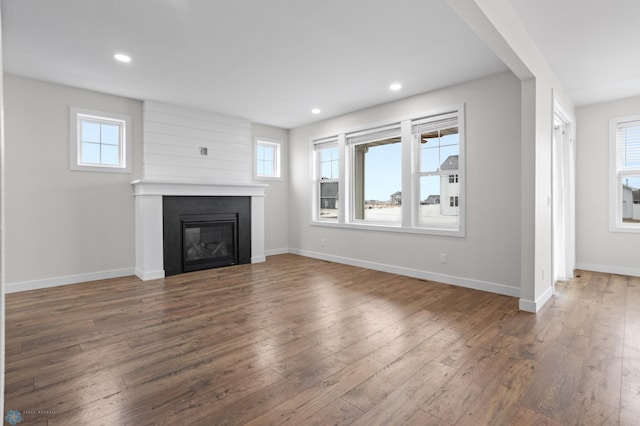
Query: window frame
{"points": [[410, 177], [327, 143], [616, 175], [439, 121], [352, 141], [125, 142], [277, 158]]}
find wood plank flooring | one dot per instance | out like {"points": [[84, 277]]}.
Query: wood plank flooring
{"points": [[298, 341]]}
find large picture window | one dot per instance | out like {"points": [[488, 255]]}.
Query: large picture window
{"points": [[404, 176], [377, 175], [625, 174]]}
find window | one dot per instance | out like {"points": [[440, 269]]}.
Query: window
{"points": [[439, 167], [99, 141], [377, 175], [404, 176], [268, 159], [625, 174], [327, 178]]}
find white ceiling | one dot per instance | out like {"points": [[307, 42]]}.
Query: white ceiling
{"points": [[592, 45], [273, 61], [268, 61]]}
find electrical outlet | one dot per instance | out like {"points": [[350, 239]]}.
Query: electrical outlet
{"points": [[322, 242], [443, 258]]}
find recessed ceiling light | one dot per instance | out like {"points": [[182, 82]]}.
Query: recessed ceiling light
{"points": [[122, 57], [316, 111], [395, 86]]}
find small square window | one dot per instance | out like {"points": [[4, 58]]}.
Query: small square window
{"points": [[268, 159], [99, 141]]}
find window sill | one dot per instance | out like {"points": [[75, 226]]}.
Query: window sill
{"points": [[391, 228], [268, 178], [107, 169], [628, 229]]}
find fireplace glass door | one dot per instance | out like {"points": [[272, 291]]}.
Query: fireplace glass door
{"points": [[209, 243]]}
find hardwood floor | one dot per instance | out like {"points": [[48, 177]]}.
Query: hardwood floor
{"points": [[301, 341]]}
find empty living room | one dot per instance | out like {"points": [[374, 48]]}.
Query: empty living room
{"points": [[320, 213]]}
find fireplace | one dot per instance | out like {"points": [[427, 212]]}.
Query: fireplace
{"points": [[154, 238], [209, 241], [205, 232]]}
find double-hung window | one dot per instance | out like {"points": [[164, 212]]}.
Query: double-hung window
{"points": [[327, 182], [624, 200], [99, 141], [438, 139], [404, 175]]}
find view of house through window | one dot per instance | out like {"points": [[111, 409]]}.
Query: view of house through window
{"points": [[328, 159], [439, 171], [407, 174], [626, 141]]}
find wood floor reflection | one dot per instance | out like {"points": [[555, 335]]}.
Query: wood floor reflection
{"points": [[301, 341]]}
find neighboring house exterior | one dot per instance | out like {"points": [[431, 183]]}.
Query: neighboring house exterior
{"points": [[432, 199], [627, 202], [449, 187], [396, 198], [630, 203]]}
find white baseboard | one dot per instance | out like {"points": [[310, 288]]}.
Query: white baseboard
{"points": [[535, 306], [149, 275], [258, 259], [69, 279], [274, 252], [415, 273], [609, 269]]}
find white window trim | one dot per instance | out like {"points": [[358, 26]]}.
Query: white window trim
{"points": [[126, 149], [364, 137], [410, 188], [615, 188], [278, 160], [329, 141]]}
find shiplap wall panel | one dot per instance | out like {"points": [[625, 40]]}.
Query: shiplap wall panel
{"points": [[173, 136], [226, 163], [161, 149], [232, 142], [194, 174]]}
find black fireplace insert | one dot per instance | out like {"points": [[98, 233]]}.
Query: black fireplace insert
{"points": [[205, 232]]}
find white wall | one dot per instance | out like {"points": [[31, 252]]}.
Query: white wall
{"points": [[598, 249], [499, 26], [67, 226], [276, 194], [489, 256], [2, 228], [63, 225], [173, 136]]}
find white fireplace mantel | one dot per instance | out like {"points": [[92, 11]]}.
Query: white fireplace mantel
{"points": [[148, 218]]}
